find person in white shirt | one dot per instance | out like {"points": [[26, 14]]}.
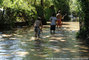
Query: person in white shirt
{"points": [[53, 20]]}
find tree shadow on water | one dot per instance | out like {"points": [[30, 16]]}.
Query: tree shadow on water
{"points": [[38, 45]]}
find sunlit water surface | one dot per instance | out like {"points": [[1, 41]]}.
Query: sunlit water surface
{"points": [[20, 44]]}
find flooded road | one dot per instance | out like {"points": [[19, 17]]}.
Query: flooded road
{"points": [[20, 44]]}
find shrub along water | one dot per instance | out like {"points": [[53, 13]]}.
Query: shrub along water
{"points": [[84, 20]]}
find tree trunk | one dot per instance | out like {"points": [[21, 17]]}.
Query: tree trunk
{"points": [[42, 16], [84, 32], [42, 3], [35, 2]]}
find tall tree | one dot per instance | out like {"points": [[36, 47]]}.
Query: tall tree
{"points": [[42, 16], [42, 3], [40, 10]]}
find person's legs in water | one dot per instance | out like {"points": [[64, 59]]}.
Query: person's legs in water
{"points": [[54, 28], [39, 32], [35, 30], [35, 34], [59, 24], [51, 29]]}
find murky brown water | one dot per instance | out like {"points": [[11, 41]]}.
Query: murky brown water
{"points": [[20, 44]]}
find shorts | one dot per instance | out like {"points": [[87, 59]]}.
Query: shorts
{"points": [[59, 22], [37, 29], [52, 27]]}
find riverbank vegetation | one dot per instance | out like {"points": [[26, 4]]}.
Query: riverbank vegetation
{"points": [[27, 11], [84, 20]]}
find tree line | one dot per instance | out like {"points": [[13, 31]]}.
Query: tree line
{"points": [[28, 10]]}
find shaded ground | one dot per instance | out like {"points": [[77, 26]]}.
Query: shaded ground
{"points": [[20, 44]]}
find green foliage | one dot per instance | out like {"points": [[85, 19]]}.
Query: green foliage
{"points": [[74, 6], [1, 3], [33, 8], [49, 11], [64, 6], [18, 11], [84, 23], [24, 10]]}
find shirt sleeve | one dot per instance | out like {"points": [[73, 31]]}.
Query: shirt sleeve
{"points": [[50, 19], [55, 18]]}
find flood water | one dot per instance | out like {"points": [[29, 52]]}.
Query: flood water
{"points": [[20, 44]]}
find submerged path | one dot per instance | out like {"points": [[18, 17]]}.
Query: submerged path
{"points": [[20, 44]]}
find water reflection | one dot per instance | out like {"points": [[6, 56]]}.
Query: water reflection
{"points": [[9, 47], [38, 45]]}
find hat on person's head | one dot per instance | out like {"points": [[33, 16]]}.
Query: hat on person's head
{"points": [[59, 11], [39, 18]]}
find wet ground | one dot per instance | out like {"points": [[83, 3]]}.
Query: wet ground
{"points": [[20, 44]]}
